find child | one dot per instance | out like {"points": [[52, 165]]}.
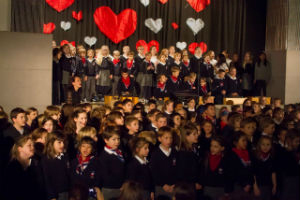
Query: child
{"points": [[132, 125], [163, 164], [232, 127], [117, 71], [218, 87], [240, 175], [48, 124], [190, 84], [139, 59], [105, 72], [176, 60], [196, 61], [174, 84], [160, 120], [162, 67], [151, 116], [87, 131], [144, 78], [126, 84], [248, 127], [214, 170], [127, 106], [124, 56], [54, 113], [112, 165], [185, 67], [168, 108], [138, 169], [207, 134], [130, 65], [55, 167], [39, 137], [267, 127], [151, 105], [171, 56], [204, 87], [206, 69], [232, 84], [91, 70], [31, 114], [84, 169], [265, 182], [160, 91]]}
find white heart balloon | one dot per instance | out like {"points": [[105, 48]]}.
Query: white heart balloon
{"points": [[145, 2], [195, 25], [65, 25], [181, 45], [90, 40], [154, 25]]}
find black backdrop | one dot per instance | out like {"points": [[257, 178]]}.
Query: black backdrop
{"points": [[236, 25]]}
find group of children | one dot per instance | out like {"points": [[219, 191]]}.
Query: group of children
{"points": [[152, 75], [251, 150]]}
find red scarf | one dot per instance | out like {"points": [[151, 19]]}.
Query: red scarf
{"points": [[82, 164], [161, 85], [186, 63], [243, 155], [222, 124], [126, 81], [129, 64], [83, 60], [119, 153], [264, 156], [192, 85], [203, 88], [214, 161], [116, 61], [174, 79]]}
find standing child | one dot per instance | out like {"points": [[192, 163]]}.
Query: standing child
{"points": [[126, 84], [132, 125], [232, 84], [124, 56], [31, 114], [91, 70], [174, 84], [112, 164], [204, 89], [163, 164], [117, 71], [190, 84], [265, 182], [206, 69], [55, 166], [218, 87], [185, 67], [248, 126], [171, 56], [84, 168], [138, 169], [162, 67], [207, 134], [161, 91], [139, 59], [177, 60], [129, 64]]}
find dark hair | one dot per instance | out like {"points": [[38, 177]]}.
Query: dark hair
{"points": [[110, 131], [220, 139], [237, 136], [74, 78], [184, 191], [79, 191], [265, 61], [222, 59], [137, 142], [56, 51], [131, 190], [152, 101], [206, 106], [248, 120], [126, 101], [14, 112], [88, 140], [124, 70], [248, 109]]}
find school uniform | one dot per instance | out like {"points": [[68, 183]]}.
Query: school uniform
{"points": [[138, 170], [91, 70], [123, 58], [112, 172], [163, 166], [232, 85], [170, 61], [204, 143], [125, 85], [138, 60], [247, 76], [204, 89], [207, 70], [56, 176], [162, 68], [173, 85], [214, 175], [263, 168], [160, 91], [217, 86], [104, 82], [145, 79], [116, 76], [66, 66], [125, 145], [151, 127], [185, 69], [56, 82], [195, 63], [73, 96], [86, 173], [190, 87]]}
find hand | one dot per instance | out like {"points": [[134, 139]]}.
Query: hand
{"points": [[247, 188], [152, 195], [166, 188], [235, 94], [274, 190], [223, 92], [85, 78], [198, 186], [209, 93], [97, 76], [110, 76], [131, 76], [256, 191]]}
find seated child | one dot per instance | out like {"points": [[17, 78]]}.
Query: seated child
{"points": [[126, 84]]}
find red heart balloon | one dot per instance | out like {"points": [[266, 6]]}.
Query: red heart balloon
{"points": [[198, 5], [147, 46], [194, 45], [60, 5], [115, 27], [63, 42], [174, 25], [163, 1], [77, 16], [49, 28]]}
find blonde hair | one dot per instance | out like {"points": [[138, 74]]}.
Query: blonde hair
{"points": [[87, 131], [38, 133], [149, 136], [51, 110], [14, 153]]}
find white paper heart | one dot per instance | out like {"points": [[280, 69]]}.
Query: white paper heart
{"points": [[195, 25], [90, 40], [154, 25], [145, 2], [181, 45], [65, 25]]}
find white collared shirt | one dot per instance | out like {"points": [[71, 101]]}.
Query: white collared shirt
{"points": [[141, 56], [110, 151], [59, 156], [156, 129], [197, 57], [167, 153], [143, 162]]}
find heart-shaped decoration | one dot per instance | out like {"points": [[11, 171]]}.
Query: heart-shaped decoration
{"points": [[194, 45], [174, 25], [63, 42], [65, 25], [115, 27], [163, 1], [90, 40], [148, 45], [49, 28], [195, 25], [59, 5], [77, 16], [145, 2], [198, 5], [154, 25], [181, 45]]}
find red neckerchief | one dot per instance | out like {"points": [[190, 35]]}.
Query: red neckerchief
{"points": [[83, 60], [161, 85], [243, 155], [264, 156], [116, 61], [192, 84], [116, 150], [222, 124], [186, 63], [129, 64], [82, 164], [174, 79], [214, 161], [204, 89], [126, 81]]}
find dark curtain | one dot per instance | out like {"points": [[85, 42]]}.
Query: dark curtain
{"points": [[225, 22]]}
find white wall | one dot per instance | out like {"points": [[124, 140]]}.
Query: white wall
{"points": [[5, 13]]}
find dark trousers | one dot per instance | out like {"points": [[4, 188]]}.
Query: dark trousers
{"points": [[90, 88], [103, 90], [260, 88], [65, 91], [56, 100]]}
